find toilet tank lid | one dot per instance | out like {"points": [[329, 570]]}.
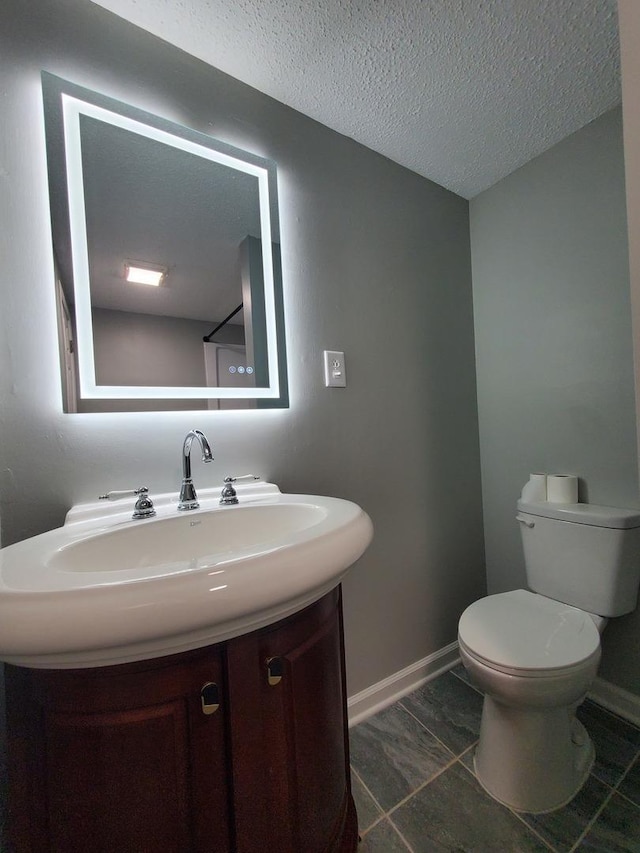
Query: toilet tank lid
{"points": [[600, 516]]}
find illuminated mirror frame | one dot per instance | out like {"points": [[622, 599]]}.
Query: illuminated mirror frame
{"points": [[76, 102]]}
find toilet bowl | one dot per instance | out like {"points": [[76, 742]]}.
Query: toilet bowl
{"points": [[534, 659], [535, 653]]}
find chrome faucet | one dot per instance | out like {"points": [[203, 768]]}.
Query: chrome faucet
{"points": [[188, 497]]}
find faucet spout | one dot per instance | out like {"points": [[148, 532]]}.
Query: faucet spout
{"points": [[188, 497]]}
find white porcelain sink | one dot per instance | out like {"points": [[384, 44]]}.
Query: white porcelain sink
{"points": [[104, 589]]}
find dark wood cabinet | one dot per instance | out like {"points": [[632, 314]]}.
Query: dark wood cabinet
{"points": [[290, 761], [118, 758], [241, 747]]}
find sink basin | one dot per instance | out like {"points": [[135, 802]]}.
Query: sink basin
{"points": [[104, 589], [187, 543]]}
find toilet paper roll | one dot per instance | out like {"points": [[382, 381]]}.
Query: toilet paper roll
{"points": [[536, 489], [562, 489]]}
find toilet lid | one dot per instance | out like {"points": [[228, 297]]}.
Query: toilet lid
{"points": [[521, 630]]}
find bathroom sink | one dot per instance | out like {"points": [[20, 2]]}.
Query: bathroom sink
{"points": [[104, 589]]}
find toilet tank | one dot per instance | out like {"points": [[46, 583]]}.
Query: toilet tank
{"points": [[584, 555]]}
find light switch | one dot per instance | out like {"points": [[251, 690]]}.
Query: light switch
{"points": [[335, 375]]}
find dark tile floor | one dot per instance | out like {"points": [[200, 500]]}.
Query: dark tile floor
{"points": [[415, 790]]}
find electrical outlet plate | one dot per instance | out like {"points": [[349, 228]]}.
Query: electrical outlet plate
{"points": [[335, 375]]}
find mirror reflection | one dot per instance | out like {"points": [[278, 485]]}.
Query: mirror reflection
{"points": [[167, 252]]}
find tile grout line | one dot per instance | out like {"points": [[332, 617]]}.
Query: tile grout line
{"points": [[628, 799], [427, 729], [421, 787], [382, 814], [408, 846], [387, 814], [530, 829], [613, 789], [533, 832], [471, 769], [366, 831], [635, 759], [595, 817]]}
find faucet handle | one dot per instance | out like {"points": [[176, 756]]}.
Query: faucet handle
{"points": [[124, 493], [144, 504], [228, 495]]}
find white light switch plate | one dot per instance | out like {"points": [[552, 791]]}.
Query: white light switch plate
{"points": [[335, 375]]}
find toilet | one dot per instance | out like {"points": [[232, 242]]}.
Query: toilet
{"points": [[535, 652]]}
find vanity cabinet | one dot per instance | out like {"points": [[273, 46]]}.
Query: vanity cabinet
{"points": [[240, 747]]}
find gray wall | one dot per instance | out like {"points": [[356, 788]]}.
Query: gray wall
{"points": [[149, 349], [376, 261], [554, 348]]}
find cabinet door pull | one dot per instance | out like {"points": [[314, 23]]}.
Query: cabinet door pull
{"points": [[274, 671], [210, 698]]}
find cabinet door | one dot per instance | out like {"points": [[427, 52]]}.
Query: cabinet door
{"points": [[118, 759], [288, 735]]}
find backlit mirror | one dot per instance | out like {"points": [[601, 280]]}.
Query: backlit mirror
{"points": [[167, 254]]}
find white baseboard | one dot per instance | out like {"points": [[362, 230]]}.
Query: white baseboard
{"points": [[368, 702], [616, 699], [379, 696]]}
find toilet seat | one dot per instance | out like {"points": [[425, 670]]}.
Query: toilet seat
{"points": [[528, 635]]}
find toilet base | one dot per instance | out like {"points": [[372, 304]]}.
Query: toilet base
{"points": [[532, 760]]}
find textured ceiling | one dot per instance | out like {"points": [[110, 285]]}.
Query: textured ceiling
{"points": [[460, 91]]}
